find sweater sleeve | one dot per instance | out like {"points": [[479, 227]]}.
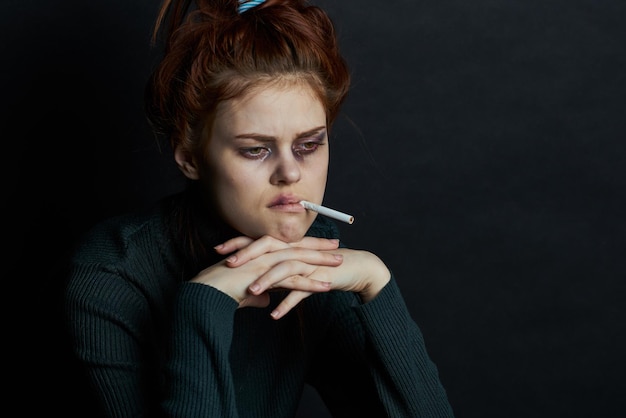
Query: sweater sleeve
{"points": [[108, 322], [200, 382], [118, 341], [378, 352], [408, 381]]}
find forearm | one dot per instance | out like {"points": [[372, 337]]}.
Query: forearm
{"points": [[198, 375], [407, 381], [108, 325]]}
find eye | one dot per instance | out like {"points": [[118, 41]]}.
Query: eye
{"points": [[307, 147], [255, 153]]}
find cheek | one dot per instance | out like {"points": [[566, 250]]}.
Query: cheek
{"points": [[235, 184], [319, 170]]}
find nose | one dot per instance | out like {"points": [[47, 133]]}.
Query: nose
{"points": [[286, 170]]}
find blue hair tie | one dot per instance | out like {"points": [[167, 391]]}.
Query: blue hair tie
{"points": [[245, 5]]}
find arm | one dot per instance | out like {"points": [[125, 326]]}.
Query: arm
{"points": [[374, 358], [120, 340], [379, 354], [408, 377], [113, 336], [198, 372]]}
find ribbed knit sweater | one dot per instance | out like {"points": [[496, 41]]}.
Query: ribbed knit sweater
{"points": [[154, 344]]}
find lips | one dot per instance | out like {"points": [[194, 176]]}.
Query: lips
{"points": [[285, 201]]}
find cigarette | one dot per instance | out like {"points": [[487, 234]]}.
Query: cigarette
{"points": [[331, 213]]}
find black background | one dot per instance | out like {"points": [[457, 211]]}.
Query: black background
{"points": [[481, 150]]}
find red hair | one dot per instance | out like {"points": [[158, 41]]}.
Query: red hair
{"points": [[213, 53]]}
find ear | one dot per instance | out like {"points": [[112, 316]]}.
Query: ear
{"points": [[186, 163]]}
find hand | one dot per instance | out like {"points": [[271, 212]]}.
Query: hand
{"points": [[361, 271], [283, 265]]}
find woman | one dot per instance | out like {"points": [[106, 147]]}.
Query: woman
{"points": [[226, 299]]}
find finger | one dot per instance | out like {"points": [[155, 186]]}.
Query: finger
{"points": [[290, 301], [292, 274], [300, 283], [314, 243], [267, 244], [256, 301], [248, 249], [233, 244]]}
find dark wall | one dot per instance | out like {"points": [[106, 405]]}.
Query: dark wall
{"points": [[481, 150]]}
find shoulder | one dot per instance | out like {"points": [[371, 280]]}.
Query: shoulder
{"points": [[126, 259], [123, 235]]}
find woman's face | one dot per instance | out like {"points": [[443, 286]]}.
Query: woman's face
{"points": [[265, 152]]}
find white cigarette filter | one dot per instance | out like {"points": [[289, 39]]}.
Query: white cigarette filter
{"points": [[331, 213]]}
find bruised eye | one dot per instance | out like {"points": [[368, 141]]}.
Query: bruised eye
{"points": [[307, 147], [255, 153]]}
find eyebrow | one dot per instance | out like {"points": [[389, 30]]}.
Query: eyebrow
{"points": [[268, 138]]}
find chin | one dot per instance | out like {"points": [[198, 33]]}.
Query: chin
{"points": [[289, 233]]}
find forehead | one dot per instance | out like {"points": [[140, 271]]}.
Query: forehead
{"points": [[272, 107]]}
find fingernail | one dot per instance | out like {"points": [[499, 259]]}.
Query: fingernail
{"points": [[338, 256], [326, 284], [275, 314], [218, 247], [255, 287], [231, 259]]}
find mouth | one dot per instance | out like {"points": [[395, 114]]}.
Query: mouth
{"points": [[286, 203]]}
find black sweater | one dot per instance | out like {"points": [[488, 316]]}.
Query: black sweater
{"points": [[153, 344]]}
